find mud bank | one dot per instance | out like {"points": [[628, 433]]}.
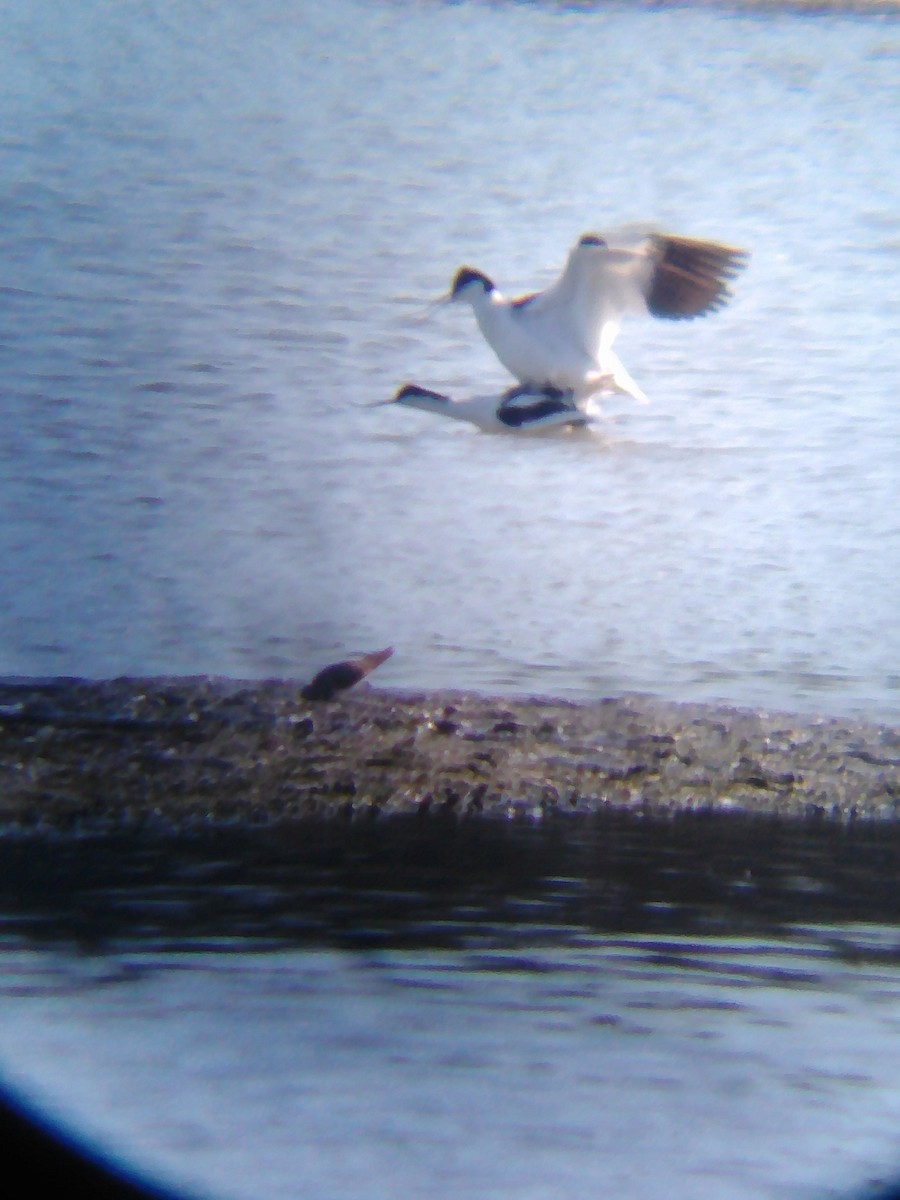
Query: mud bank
{"points": [[86, 755]]}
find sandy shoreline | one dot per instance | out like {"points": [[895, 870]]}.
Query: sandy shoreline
{"points": [[78, 755]]}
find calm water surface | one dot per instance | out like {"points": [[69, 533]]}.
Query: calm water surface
{"points": [[416, 1008], [220, 230]]}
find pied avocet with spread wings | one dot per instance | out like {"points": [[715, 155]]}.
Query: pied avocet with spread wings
{"points": [[563, 336]]}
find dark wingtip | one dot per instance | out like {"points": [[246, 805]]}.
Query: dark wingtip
{"points": [[591, 239], [691, 277]]}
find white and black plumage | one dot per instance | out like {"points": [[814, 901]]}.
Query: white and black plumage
{"points": [[520, 409], [563, 336]]}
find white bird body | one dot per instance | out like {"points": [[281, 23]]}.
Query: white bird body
{"points": [[520, 410], [563, 336], [557, 357]]}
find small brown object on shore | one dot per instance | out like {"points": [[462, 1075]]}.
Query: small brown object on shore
{"points": [[338, 676]]}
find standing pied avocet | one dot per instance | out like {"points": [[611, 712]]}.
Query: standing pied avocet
{"points": [[563, 336], [517, 410]]}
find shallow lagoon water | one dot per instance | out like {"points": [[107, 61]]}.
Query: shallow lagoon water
{"points": [[222, 230], [409, 1007]]}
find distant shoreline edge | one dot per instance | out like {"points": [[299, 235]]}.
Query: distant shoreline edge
{"points": [[874, 8]]}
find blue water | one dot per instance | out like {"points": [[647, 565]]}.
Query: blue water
{"points": [[704, 1006], [220, 229]]}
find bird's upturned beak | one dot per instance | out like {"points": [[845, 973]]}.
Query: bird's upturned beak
{"points": [[429, 307]]}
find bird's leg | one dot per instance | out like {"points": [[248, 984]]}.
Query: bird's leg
{"points": [[602, 383], [620, 381]]}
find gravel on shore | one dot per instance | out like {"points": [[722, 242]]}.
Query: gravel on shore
{"points": [[84, 755]]}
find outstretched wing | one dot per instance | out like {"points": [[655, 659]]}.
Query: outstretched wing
{"points": [[690, 277], [637, 269]]}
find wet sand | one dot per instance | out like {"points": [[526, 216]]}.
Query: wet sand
{"points": [[77, 755]]}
